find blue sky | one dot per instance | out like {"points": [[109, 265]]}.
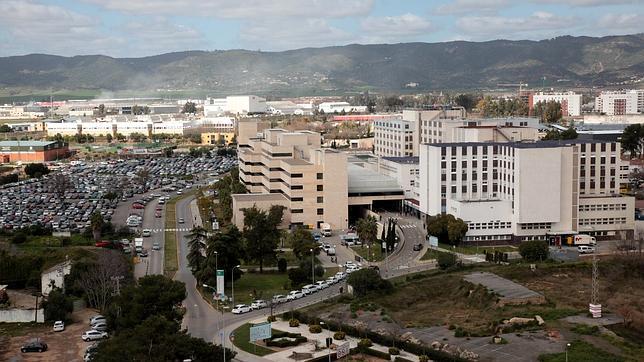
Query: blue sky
{"points": [[133, 28]]}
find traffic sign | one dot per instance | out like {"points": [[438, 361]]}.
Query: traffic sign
{"points": [[343, 350]]}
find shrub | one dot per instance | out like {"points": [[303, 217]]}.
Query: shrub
{"points": [[271, 318], [423, 358], [534, 250], [376, 353], [368, 280], [278, 340], [459, 332], [394, 351], [19, 238], [339, 335], [446, 260], [315, 328], [293, 323], [281, 265], [585, 329], [364, 343], [400, 359]]}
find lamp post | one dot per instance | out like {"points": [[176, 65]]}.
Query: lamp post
{"points": [[328, 337], [216, 254], [220, 322], [567, 346], [312, 267], [232, 278]]}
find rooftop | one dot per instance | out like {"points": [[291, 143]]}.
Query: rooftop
{"points": [[362, 180], [402, 160], [537, 144], [259, 197], [26, 143], [295, 161]]}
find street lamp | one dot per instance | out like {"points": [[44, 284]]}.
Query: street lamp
{"points": [[232, 278], [312, 267], [328, 339], [567, 346], [216, 266]]}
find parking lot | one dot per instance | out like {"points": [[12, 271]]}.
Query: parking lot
{"points": [[66, 198]]}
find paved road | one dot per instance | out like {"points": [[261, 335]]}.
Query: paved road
{"points": [[153, 264]]}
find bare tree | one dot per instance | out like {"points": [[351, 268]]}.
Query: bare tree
{"points": [[97, 281], [60, 184], [142, 177]]}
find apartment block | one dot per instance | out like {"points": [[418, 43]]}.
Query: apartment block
{"points": [[291, 169], [394, 138], [617, 103], [570, 101], [522, 191]]}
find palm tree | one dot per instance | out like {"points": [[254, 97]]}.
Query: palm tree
{"points": [[367, 229], [96, 222]]}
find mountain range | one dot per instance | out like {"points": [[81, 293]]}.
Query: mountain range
{"points": [[559, 62]]}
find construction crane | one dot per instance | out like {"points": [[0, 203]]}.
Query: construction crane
{"points": [[520, 85]]}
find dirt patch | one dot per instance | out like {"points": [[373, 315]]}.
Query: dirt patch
{"points": [[63, 346], [22, 299]]}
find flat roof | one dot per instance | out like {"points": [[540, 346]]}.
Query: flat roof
{"points": [[295, 161], [259, 197], [405, 160], [362, 180], [26, 143], [537, 144]]}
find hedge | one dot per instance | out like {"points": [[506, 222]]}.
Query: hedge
{"points": [[400, 359], [413, 348], [276, 340]]}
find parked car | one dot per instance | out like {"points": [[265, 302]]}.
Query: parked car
{"points": [[258, 304], [321, 284], [89, 352], [100, 326], [93, 335], [34, 346], [295, 294], [146, 232], [59, 326], [279, 299], [331, 280], [156, 246], [309, 289], [97, 318], [241, 308], [585, 249]]}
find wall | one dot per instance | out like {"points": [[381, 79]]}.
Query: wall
{"points": [[21, 315]]}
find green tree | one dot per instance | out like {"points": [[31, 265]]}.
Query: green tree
{"points": [[446, 260], [302, 274], [548, 112], [158, 339], [467, 101], [261, 233], [97, 222], [36, 170], [226, 187], [109, 138], [633, 140], [534, 250], [224, 250], [368, 280], [101, 110], [57, 306], [447, 228], [137, 137], [5, 128], [196, 246], [302, 242], [153, 295], [189, 107], [367, 229]]}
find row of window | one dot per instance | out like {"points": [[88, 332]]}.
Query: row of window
{"points": [[536, 225], [490, 225], [603, 207], [603, 221], [592, 147], [301, 211], [487, 237]]}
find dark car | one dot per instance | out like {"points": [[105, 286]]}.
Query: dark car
{"points": [[36, 346], [418, 247]]}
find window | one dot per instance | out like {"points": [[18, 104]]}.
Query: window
{"points": [[297, 211], [320, 188], [296, 199], [297, 187], [320, 211], [320, 176], [296, 175], [320, 199]]}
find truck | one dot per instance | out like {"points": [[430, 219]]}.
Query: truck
{"points": [[583, 239], [138, 244], [325, 229]]}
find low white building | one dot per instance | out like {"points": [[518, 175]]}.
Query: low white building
{"points": [[54, 277], [570, 101], [238, 105], [339, 107]]}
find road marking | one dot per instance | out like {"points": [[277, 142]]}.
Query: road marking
{"points": [[164, 230]]}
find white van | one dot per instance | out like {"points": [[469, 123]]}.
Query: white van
{"points": [[325, 229], [585, 249]]}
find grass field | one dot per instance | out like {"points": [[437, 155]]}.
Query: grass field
{"points": [[363, 251], [581, 351], [242, 341], [170, 258], [263, 286]]}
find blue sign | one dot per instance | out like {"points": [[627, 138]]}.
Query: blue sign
{"points": [[260, 331], [433, 241]]}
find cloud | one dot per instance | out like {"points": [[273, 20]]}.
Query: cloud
{"points": [[575, 3], [628, 23], [158, 35], [534, 26], [242, 9], [468, 6], [274, 35], [396, 27]]}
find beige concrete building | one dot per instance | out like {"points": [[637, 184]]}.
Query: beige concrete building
{"points": [[291, 169], [213, 138]]}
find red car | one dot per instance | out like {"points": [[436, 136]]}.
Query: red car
{"points": [[137, 206]]}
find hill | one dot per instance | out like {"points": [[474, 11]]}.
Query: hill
{"points": [[563, 61]]}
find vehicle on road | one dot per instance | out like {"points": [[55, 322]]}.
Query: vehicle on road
{"points": [[339, 276], [138, 244], [157, 214], [309, 289], [137, 205], [418, 247], [181, 220], [330, 252], [93, 335], [322, 284], [156, 246], [583, 239], [584, 249], [325, 228], [294, 294], [258, 304], [143, 253], [90, 351], [241, 308], [59, 326], [277, 299], [34, 346], [146, 232]]}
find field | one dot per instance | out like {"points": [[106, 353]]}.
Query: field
{"points": [[242, 341], [253, 286], [363, 251]]}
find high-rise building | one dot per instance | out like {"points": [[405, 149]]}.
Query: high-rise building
{"points": [[617, 103]]}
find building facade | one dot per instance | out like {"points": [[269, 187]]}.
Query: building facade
{"points": [[291, 169], [523, 191], [570, 101], [617, 103], [32, 151], [394, 137]]}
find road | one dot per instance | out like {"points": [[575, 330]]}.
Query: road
{"points": [[153, 264]]}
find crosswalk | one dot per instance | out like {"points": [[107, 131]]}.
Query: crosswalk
{"points": [[407, 226], [164, 230]]}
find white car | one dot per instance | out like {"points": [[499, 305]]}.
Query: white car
{"points": [[349, 264], [322, 284], [93, 335], [146, 232], [309, 288], [59, 326], [181, 220], [97, 318], [332, 280], [279, 299], [584, 249], [339, 276], [241, 308], [258, 304], [294, 294]]}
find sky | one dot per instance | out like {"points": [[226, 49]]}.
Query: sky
{"points": [[135, 28]]}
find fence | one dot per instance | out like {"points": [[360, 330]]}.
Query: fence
{"points": [[21, 315]]}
